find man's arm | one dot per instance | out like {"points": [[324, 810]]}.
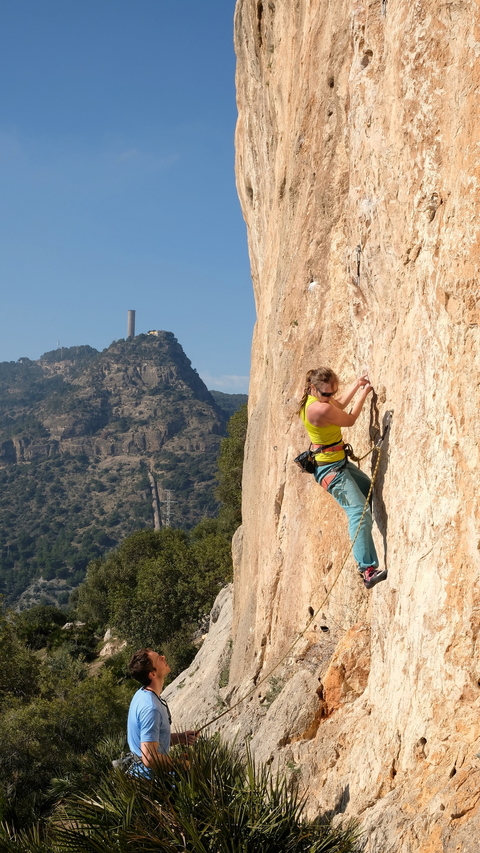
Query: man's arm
{"points": [[185, 738], [152, 758]]}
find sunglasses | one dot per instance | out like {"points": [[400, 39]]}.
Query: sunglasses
{"points": [[326, 393]]}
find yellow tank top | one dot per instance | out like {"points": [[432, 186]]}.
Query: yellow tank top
{"points": [[322, 435]]}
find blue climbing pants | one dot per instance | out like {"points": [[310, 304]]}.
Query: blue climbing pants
{"points": [[350, 489]]}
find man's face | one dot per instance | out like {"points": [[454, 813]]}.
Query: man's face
{"points": [[160, 663]]}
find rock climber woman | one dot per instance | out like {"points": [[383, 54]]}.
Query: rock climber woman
{"points": [[323, 415]]}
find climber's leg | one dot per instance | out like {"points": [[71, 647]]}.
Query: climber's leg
{"points": [[362, 480], [351, 495]]}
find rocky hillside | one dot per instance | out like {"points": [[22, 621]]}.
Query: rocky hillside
{"points": [[94, 445], [357, 168]]}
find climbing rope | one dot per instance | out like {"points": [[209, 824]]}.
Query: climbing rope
{"points": [[378, 447], [349, 452]]}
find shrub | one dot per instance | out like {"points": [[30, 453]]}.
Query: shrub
{"points": [[36, 625], [223, 803]]}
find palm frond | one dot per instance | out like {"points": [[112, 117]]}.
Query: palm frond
{"points": [[223, 802]]}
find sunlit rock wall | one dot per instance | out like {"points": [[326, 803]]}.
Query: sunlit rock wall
{"points": [[358, 155]]}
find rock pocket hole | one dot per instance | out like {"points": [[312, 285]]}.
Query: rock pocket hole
{"points": [[452, 773], [259, 21], [324, 628], [331, 81], [366, 58]]}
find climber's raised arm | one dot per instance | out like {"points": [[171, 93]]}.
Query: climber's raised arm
{"points": [[323, 414], [343, 399]]}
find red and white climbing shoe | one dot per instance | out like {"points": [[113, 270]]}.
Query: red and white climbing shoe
{"points": [[373, 576]]}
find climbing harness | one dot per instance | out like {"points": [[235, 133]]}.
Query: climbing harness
{"points": [[332, 448], [326, 481], [306, 460], [378, 447]]}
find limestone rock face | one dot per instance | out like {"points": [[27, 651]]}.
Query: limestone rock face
{"points": [[348, 671], [358, 171], [197, 694]]}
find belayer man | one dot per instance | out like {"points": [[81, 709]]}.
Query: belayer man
{"points": [[322, 412], [148, 724]]}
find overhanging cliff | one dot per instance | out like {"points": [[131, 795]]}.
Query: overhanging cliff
{"points": [[358, 128], [358, 173]]}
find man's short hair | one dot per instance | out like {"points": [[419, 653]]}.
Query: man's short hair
{"points": [[141, 666]]}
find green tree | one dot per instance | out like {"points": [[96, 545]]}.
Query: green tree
{"points": [[18, 678], [108, 591], [156, 586], [213, 554], [35, 626], [229, 475], [51, 733]]}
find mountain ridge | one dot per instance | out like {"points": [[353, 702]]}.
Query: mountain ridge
{"points": [[94, 445]]}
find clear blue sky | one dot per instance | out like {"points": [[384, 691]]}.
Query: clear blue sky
{"points": [[117, 180]]}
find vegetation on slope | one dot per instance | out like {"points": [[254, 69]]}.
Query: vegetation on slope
{"points": [[61, 726], [80, 431], [157, 586], [59, 514], [154, 590], [51, 716], [222, 802]]}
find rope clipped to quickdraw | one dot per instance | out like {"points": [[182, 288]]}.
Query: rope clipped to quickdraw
{"points": [[351, 455], [378, 447]]}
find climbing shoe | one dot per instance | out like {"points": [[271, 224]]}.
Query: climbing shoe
{"points": [[373, 576]]}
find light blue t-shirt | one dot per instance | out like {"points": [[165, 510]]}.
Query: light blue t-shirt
{"points": [[148, 722]]}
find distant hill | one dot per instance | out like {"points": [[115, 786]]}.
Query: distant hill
{"points": [[94, 445], [230, 403]]}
